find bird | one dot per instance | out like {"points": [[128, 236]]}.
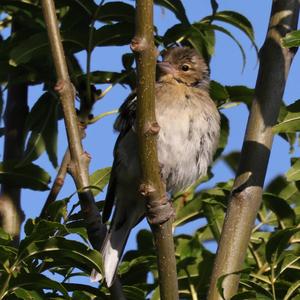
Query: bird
{"points": [[187, 140]]}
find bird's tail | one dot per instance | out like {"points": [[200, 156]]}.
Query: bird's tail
{"points": [[113, 249]]}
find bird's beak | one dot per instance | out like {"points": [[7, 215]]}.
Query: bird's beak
{"points": [[165, 67]]}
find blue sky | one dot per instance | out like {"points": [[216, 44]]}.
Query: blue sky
{"points": [[226, 68]]}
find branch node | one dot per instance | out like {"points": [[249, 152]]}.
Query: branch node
{"points": [[151, 128], [138, 44], [61, 87], [161, 212], [146, 189]]}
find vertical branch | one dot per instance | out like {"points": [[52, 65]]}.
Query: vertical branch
{"points": [[79, 159], [11, 214], [159, 209], [246, 195]]}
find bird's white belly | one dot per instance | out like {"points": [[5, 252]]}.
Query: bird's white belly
{"points": [[182, 152]]}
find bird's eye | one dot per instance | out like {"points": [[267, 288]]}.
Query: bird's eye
{"points": [[185, 67]]}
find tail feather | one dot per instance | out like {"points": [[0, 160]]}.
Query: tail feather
{"points": [[112, 251]]}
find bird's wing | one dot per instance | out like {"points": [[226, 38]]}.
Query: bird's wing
{"points": [[124, 122], [127, 115]]}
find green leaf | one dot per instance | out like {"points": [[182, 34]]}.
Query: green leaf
{"points": [[285, 214], [42, 121], [293, 174], [202, 25], [29, 48], [237, 20], [218, 93], [188, 212], [99, 179], [133, 293], [278, 242], [27, 294], [118, 34], [30, 176], [71, 252], [176, 7], [224, 134], [76, 287], [259, 289], [240, 93], [58, 210], [117, 12], [292, 39], [293, 288], [291, 121], [35, 281], [232, 160]]}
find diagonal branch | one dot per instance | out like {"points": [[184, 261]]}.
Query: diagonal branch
{"points": [[246, 195], [159, 209], [79, 159]]}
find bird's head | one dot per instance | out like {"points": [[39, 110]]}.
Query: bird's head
{"points": [[184, 65]]}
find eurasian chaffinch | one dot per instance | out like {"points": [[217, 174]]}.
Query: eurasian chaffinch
{"points": [[189, 132]]}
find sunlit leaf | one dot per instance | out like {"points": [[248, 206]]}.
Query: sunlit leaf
{"points": [[293, 173], [292, 39], [99, 179], [291, 121]]}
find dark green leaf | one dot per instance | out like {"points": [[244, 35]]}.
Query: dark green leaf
{"points": [[37, 281], [42, 121], [176, 7], [114, 34], [292, 290], [133, 293], [203, 26], [224, 134], [281, 208], [237, 20], [73, 253], [28, 48], [116, 11], [30, 176], [27, 294], [218, 93], [232, 160], [259, 289], [278, 242]]}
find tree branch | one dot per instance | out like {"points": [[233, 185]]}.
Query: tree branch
{"points": [[246, 194], [79, 159], [159, 209]]}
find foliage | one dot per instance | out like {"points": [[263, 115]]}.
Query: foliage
{"points": [[50, 261]]}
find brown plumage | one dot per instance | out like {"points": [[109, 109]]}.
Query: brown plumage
{"points": [[188, 137]]}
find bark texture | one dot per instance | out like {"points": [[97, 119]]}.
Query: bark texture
{"points": [[152, 188], [246, 195]]}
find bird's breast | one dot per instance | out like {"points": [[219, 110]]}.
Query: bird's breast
{"points": [[189, 131]]}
